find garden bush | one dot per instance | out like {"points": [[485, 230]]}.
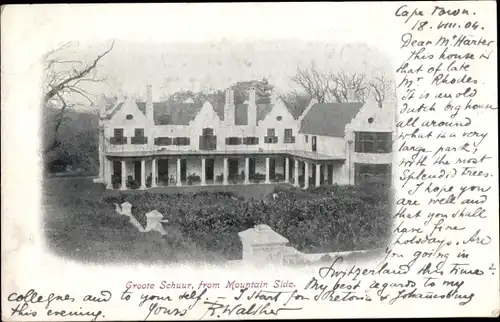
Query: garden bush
{"points": [[324, 219]]}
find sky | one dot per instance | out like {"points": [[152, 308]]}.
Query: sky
{"points": [[170, 67], [190, 46]]}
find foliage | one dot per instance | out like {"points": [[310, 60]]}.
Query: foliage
{"points": [[78, 143], [322, 219]]}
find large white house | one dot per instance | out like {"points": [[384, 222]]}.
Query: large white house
{"points": [[148, 144]]}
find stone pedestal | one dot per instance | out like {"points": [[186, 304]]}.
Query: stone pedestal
{"points": [[154, 220], [262, 245]]}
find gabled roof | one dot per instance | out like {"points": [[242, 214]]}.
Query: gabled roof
{"points": [[329, 119], [183, 113], [113, 111]]}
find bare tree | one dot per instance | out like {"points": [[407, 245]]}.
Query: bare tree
{"points": [[313, 82], [295, 102], [64, 79], [348, 87], [382, 88]]}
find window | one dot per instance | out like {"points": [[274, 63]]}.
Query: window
{"points": [[118, 133], [306, 138], [271, 132], [373, 142], [181, 141], [372, 173], [289, 138], [129, 116], [279, 118], [251, 140], [233, 141], [208, 132], [139, 133]]}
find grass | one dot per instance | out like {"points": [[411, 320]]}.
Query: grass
{"points": [[80, 226]]}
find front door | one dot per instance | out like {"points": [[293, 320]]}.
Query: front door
{"points": [[163, 171], [272, 168], [209, 168], [233, 169], [251, 168], [183, 170], [313, 142], [330, 174], [117, 172]]}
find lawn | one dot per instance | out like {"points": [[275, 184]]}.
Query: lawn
{"points": [[81, 222]]}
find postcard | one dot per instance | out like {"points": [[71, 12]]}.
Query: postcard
{"points": [[249, 161]]}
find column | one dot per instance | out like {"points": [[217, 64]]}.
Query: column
{"points": [[124, 176], [247, 170], [108, 172], [287, 170], [154, 174], [225, 173], [203, 172], [296, 173], [178, 178], [143, 174], [318, 174], [306, 175], [267, 170]]}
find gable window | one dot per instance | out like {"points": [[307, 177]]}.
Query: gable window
{"points": [[233, 141], [373, 142], [118, 138], [118, 133], [208, 132], [271, 136], [208, 141], [139, 137], [289, 138], [139, 132]]}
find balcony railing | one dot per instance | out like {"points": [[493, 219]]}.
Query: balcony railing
{"points": [[139, 140], [270, 139], [208, 142], [251, 140], [289, 139], [118, 140], [163, 141], [233, 141]]}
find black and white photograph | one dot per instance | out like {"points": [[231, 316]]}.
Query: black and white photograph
{"points": [[214, 161], [219, 151]]}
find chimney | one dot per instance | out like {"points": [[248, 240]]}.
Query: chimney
{"points": [[149, 103], [229, 108], [252, 107]]}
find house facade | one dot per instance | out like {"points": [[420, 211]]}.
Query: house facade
{"points": [[151, 144]]}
